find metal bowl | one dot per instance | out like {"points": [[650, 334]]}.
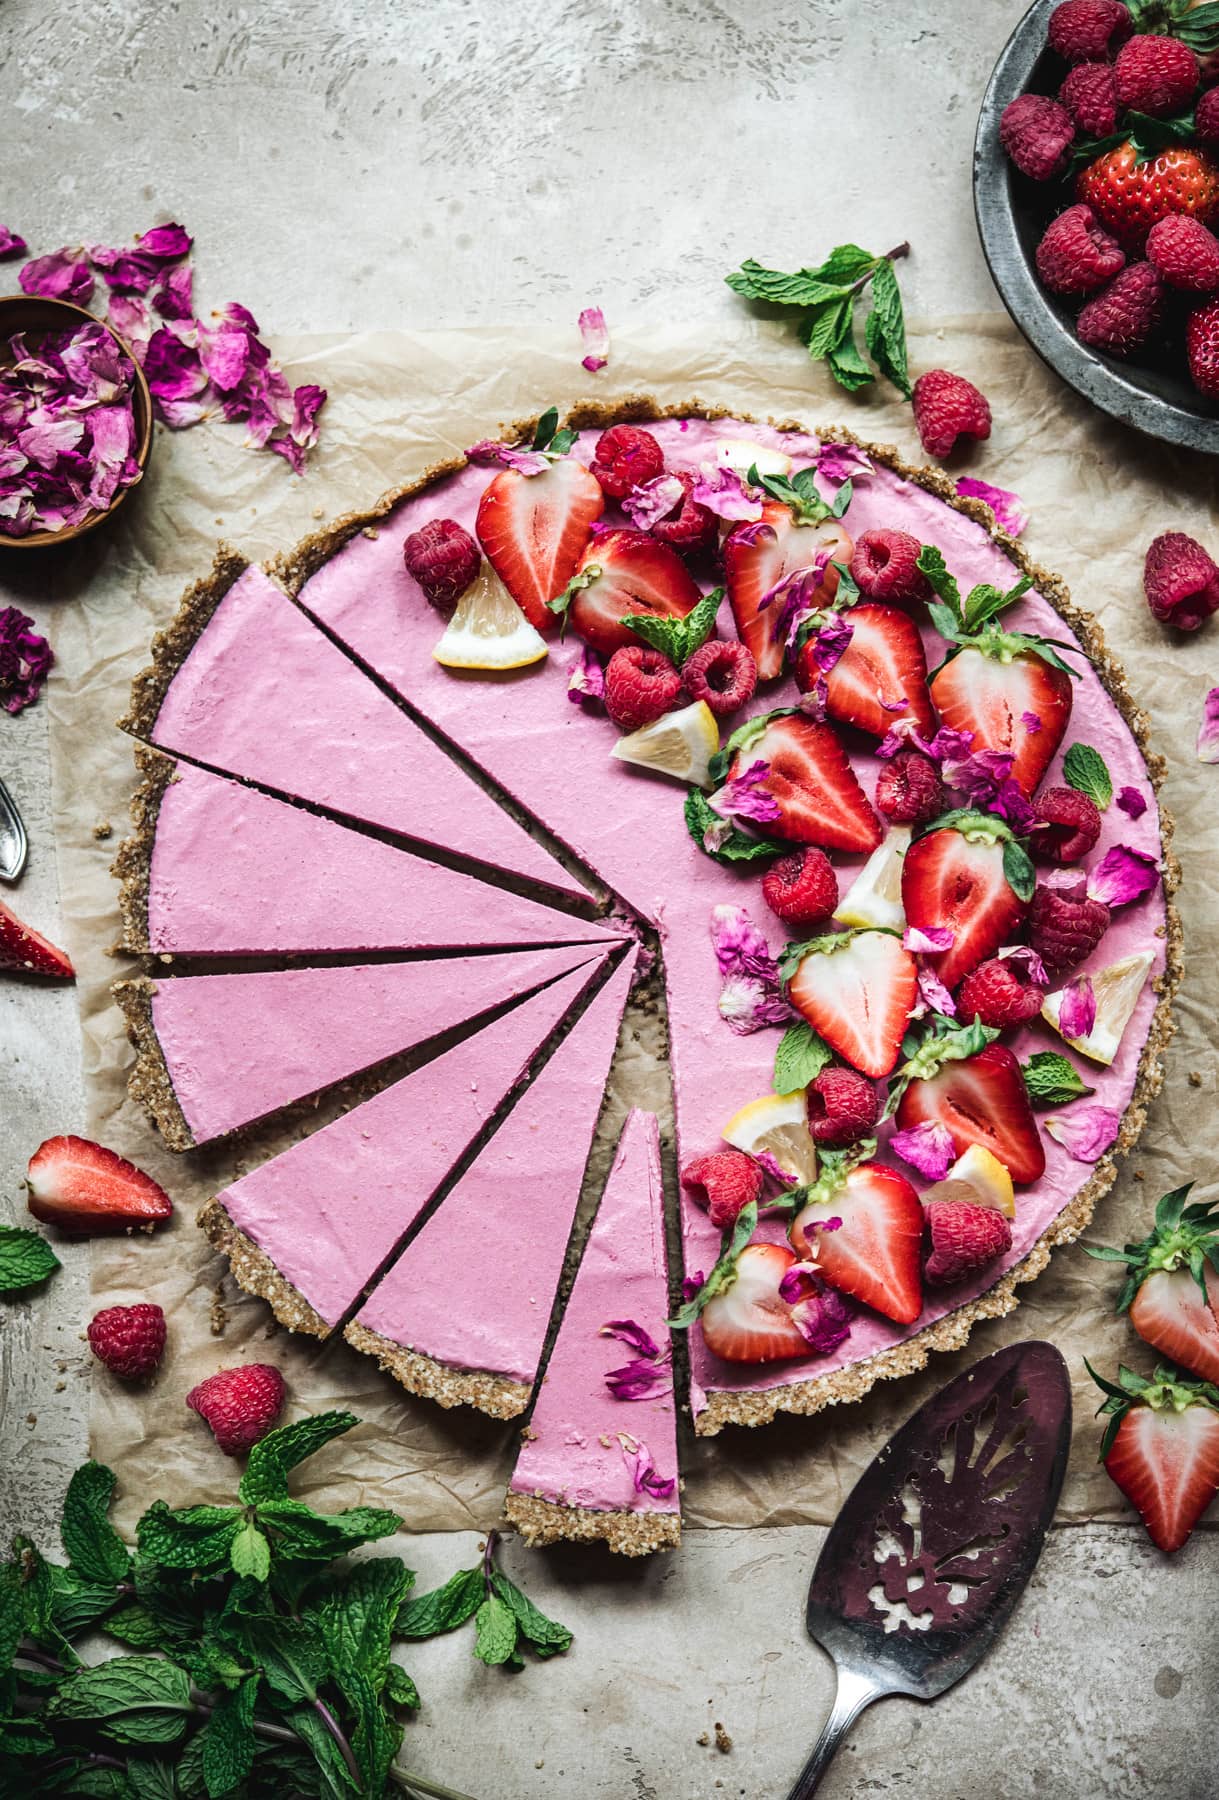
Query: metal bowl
{"points": [[36, 317], [1155, 396]]}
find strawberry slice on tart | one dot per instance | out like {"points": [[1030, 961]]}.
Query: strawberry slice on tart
{"points": [[862, 1225], [624, 574], [856, 989], [1171, 1292], [797, 540], [967, 874], [534, 529], [1161, 1448], [808, 776], [748, 1320], [961, 1079], [881, 676]]}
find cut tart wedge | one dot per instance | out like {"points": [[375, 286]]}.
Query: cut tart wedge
{"points": [[310, 1229], [516, 1202], [600, 1453]]}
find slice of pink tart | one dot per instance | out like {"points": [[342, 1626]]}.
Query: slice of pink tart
{"points": [[217, 869], [517, 1202], [600, 1453], [310, 1229], [218, 1051], [245, 683]]}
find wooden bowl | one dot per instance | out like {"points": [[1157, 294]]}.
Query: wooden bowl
{"points": [[38, 318]]}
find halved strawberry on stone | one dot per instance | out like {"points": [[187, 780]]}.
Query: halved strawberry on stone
{"points": [[760, 554], [748, 1320], [856, 989], [881, 677], [809, 777], [534, 528], [980, 1099], [1171, 1290], [27, 952], [83, 1188], [969, 876], [624, 573], [864, 1230], [1161, 1447]]}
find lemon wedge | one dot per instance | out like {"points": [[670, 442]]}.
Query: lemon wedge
{"points": [[875, 895], [979, 1178], [1117, 990], [778, 1124], [488, 630], [680, 744], [743, 454]]}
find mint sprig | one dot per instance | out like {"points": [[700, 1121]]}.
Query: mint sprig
{"points": [[827, 298], [799, 1058], [1053, 1081], [678, 639], [26, 1259]]}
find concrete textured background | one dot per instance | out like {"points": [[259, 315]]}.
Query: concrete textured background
{"points": [[355, 164]]}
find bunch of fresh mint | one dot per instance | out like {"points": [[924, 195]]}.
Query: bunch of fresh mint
{"points": [[258, 1658], [827, 298]]}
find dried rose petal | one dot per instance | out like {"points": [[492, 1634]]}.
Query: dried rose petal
{"points": [[10, 243], [652, 501], [525, 462], [630, 1331], [63, 275], [25, 659], [927, 1147], [1077, 1009], [586, 683], [595, 333], [1086, 1132], [934, 996], [750, 995], [1027, 961], [1122, 875], [842, 462], [640, 1380], [746, 796], [1208, 731], [819, 1313], [644, 1475], [722, 491], [1131, 802], [1011, 514], [933, 938]]}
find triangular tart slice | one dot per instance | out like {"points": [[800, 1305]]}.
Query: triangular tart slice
{"points": [[219, 1051], [217, 869], [253, 688], [600, 1456], [513, 1209], [310, 1229]]}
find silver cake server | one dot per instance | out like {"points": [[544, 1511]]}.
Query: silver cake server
{"points": [[938, 1537], [14, 846]]}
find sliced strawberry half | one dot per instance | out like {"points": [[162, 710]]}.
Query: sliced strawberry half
{"points": [[856, 990], [875, 1253], [810, 777], [25, 950], [1161, 1447], [1021, 705], [883, 666], [761, 553], [82, 1187], [1172, 1288], [749, 1321], [534, 529], [959, 878], [980, 1100], [622, 573]]}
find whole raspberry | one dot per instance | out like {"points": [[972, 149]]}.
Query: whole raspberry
{"points": [[730, 1180], [1180, 580], [1185, 253], [1037, 133], [801, 889], [1202, 348], [625, 457], [1123, 316], [843, 1106], [1077, 255], [240, 1405], [130, 1340], [963, 1237], [723, 673], [1088, 30], [884, 564], [690, 526], [1089, 94], [444, 559], [1206, 117], [641, 685], [909, 790], [1065, 926], [947, 407], [1155, 75], [1067, 827], [999, 993]]}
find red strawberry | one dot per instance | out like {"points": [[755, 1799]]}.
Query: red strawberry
{"points": [[980, 692], [954, 879], [621, 573], [240, 1405], [810, 777], [1161, 1447], [1172, 1290], [26, 950], [964, 1238], [757, 556], [874, 1253], [83, 1188], [980, 1100], [534, 528], [856, 989], [1128, 196], [749, 1321], [882, 665]]}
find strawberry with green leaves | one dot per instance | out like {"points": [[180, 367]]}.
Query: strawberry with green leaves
{"points": [[624, 575], [1011, 690], [535, 517], [958, 1077], [1172, 1284], [760, 1305], [784, 562], [856, 989], [880, 679], [1161, 1447], [811, 793], [862, 1223], [967, 874]]}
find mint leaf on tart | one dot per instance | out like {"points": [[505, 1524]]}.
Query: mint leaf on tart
{"points": [[1087, 771], [828, 297], [1052, 1080], [735, 847], [678, 639], [800, 1057], [25, 1259]]}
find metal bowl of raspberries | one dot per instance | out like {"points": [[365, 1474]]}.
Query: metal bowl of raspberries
{"points": [[1096, 190]]}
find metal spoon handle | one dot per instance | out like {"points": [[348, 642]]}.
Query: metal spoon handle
{"points": [[853, 1694], [13, 845]]}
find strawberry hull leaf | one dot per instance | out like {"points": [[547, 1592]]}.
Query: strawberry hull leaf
{"points": [[724, 1273], [1021, 876], [736, 847]]}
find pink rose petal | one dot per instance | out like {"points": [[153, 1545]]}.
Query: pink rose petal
{"points": [[63, 275], [10, 243], [722, 491], [927, 1147], [642, 1465], [586, 682], [1122, 875], [1131, 802], [1077, 1009], [926, 942], [1208, 731], [1011, 514], [595, 334], [652, 501], [1085, 1132]]}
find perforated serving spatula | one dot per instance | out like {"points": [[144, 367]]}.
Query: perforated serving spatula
{"points": [[929, 1555]]}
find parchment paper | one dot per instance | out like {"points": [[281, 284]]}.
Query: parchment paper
{"points": [[399, 401]]}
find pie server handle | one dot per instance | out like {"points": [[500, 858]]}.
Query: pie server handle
{"points": [[854, 1692]]}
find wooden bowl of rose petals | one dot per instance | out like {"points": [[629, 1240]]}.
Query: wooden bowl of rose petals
{"points": [[75, 422]]}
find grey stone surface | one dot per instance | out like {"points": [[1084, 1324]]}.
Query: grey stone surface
{"points": [[355, 165]]}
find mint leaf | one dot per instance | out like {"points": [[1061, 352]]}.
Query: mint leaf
{"points": [[23, 1737], [77, 1603], [400, 1690], [93, 1547], [546, 1636], [195, 1537], [827, 298], [1019, 871], [495, 1631], [1088, 772], [800, 1057], [155, 1780], [931, 562], [228, 1739], [336, 1776], [885, 329], [736, 848], [288, 1651], [985, 601], [806, 287], [377, 1735], [355, 1616], [678, 639], [137, 1626], [846, 363], [548, 424], [25, 1259], [250, 1553], [1051, 1080], [301, 1532], [444, 1608], [130, 1699], [266, 1472], [825, 327]]}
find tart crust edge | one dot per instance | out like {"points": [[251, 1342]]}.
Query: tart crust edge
{"points": [[542, 1521], [149, 1082], [254, 1271], [496, 1395]]}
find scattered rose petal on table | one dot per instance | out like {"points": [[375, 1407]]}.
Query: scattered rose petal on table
{"points": [[1208, 731], [10, 243], [595, 334], [63, 275], [25, 659]]}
